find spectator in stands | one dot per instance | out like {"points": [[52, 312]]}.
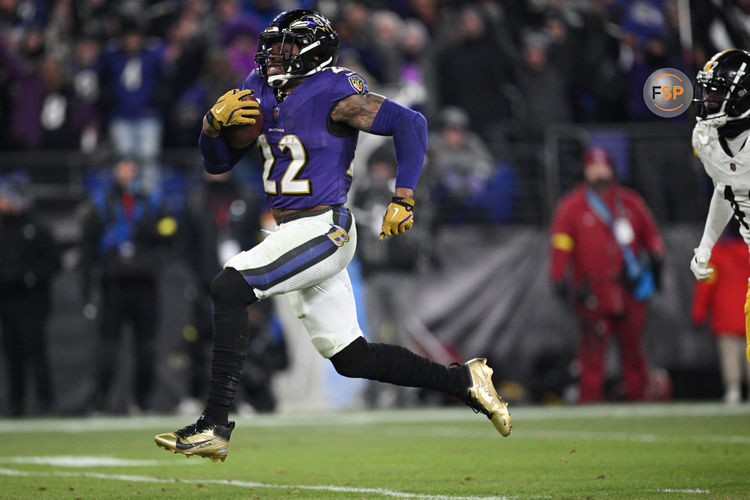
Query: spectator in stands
{"points": [[387, 32], [561, 49], [186, 115], [100, 18], [730, 26], [29, 258], [646, 47], [45, 113], [185, 56], [389, 267], [357, 40], [122, 233], [544, 90], [60, 26], [562, 52], [460, 166], [221, 220], [723, 298], [601, 233], [472, 77], [429, 12], [86, 88], [16, 15], [418, 68], [239, 36], [132, 74], [600, 85]]}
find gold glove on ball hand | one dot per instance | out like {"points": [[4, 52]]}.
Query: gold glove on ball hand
{"points": [[230, 109], [398, 217]]}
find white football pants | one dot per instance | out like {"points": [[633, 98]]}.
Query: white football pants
{"points": [[306, 259]]}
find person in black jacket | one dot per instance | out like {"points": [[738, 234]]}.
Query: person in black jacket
{"points": [[29, 258], [389, 267], [122, 232], [222, 219]]}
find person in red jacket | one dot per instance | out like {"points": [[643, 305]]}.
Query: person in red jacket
{"points": [[600, 234], [723, 297]]}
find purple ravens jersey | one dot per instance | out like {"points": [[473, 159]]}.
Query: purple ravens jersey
{"points": [[306, 158]]}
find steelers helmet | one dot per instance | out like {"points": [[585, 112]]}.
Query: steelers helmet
{"points": [[312, 33], [722, 88]]}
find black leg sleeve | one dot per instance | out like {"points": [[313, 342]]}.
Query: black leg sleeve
{"points": [[400, 366], [231, 295]]}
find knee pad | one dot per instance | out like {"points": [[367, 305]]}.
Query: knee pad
{"points": [[357, 360], [229, 290]]}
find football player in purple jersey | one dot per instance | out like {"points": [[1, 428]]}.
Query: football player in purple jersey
{"points": [[313, 112]]}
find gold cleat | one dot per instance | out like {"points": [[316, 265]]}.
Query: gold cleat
{"points": [[200, 438], [484, 398]]}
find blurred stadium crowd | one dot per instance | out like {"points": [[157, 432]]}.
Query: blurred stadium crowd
{"points": [[136, 77], [513, 91]]}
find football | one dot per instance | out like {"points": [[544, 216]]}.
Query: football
{"points": [[242, 136]]}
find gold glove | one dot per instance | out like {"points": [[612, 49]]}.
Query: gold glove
{"points": [[230, 109], [398, 217]]}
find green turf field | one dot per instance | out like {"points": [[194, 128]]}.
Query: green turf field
{"points": [[615, 451]]}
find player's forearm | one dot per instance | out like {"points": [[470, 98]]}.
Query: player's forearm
{"points": [[719, 213], [409, 131], [218, 156]]}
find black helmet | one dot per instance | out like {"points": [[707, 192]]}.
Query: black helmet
{"points": [[317, 41], [722, 89]]}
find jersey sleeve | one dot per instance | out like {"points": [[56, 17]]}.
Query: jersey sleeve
{"points": [[699, 139], [343, 83], [719, 214]]}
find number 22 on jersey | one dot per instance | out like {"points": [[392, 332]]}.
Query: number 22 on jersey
{"points": [[290, 184]]}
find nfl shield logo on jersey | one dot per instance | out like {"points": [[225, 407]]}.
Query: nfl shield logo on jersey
{"points": [[732, 166]]}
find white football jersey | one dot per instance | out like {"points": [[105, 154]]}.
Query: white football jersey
{"points": [[730, 173], [723, 168]]}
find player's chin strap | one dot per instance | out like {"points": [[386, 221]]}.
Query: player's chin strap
{"points": [[715, 121], [277, 81]]}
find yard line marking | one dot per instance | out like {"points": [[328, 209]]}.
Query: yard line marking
{"points": [[428, 415], [246, 484], [80, 461], [459, 433], [669, 490], [13, 472]]}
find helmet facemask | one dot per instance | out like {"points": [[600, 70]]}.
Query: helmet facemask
{"points": [[315, 41], [718, 99]]}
